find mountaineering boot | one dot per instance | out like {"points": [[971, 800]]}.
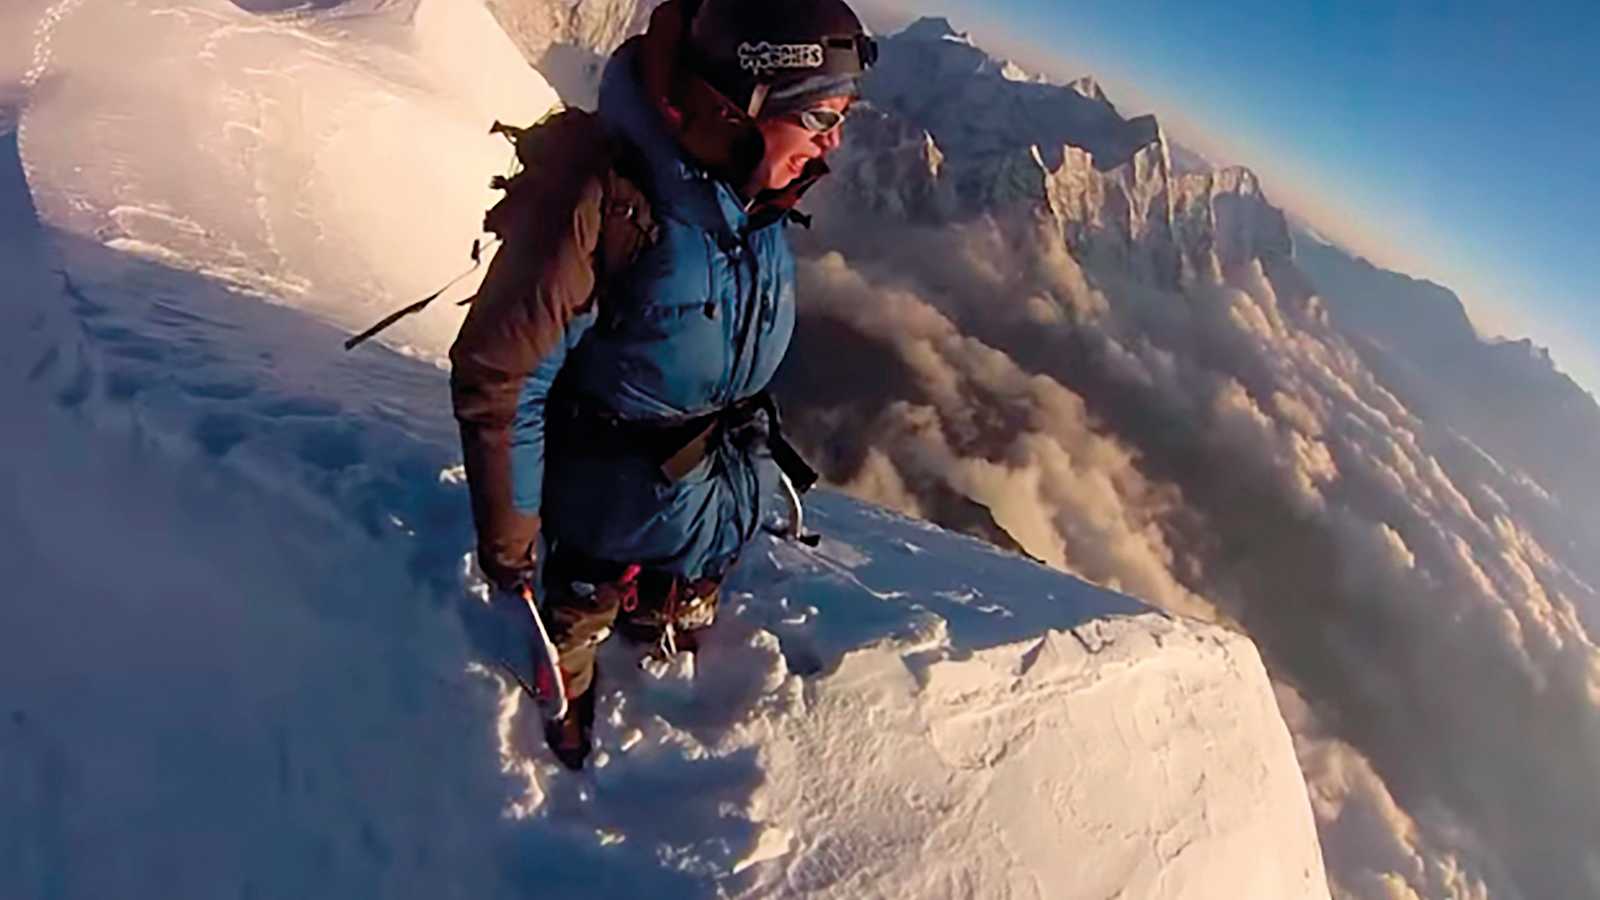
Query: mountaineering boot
{"points": [[695, 614], [569, 736], [670, 614]]}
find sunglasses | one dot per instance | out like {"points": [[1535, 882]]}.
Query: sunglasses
{"points": [[820, 119]]}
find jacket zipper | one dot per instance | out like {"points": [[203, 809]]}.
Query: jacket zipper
{"points": [[713, 250], [749, 320], [731, 331]]}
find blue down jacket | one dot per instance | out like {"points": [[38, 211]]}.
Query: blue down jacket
{"points": [[701, 320]]}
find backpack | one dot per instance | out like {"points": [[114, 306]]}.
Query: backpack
{"points": [[554, 157]]}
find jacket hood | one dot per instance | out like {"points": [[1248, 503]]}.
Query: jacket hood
{"points": [[698, 149], [678, 186]]}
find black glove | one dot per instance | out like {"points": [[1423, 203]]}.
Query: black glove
{"points": [[508, 572]]}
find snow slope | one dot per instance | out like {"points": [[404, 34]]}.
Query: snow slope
{"points": [[337, 161], [241, 655]]}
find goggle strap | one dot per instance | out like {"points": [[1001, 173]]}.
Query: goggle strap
{"points": [[862, 48], [758, 98]]}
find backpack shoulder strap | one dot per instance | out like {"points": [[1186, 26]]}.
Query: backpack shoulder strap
{"points": [[556, 157], [628, 225]]}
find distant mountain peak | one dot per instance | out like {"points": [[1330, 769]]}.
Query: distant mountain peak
{"points": [[1088, 86], [1010, 71], [934, 28], [963, 133]]}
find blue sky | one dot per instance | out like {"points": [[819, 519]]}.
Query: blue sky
{"points": [[1456, 141]]}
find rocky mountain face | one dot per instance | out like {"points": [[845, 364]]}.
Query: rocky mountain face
{"points": [[1506, 395], [568, 41], [951, 132], [1409, 315]]}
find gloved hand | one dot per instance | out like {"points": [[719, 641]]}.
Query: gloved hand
{"points": [[525, 648], [507, 571]]}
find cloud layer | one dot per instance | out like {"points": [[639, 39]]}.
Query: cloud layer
{"points": [[1224, 451]]}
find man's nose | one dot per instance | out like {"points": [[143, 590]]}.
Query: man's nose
{"points": [[830, 141]]}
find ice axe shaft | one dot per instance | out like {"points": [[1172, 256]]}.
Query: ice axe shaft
{"points": [[548, 689]]}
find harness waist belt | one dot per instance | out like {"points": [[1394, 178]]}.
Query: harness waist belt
{"points": [[682, 445]]}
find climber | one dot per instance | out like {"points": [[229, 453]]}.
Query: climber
{"points": [[610, 379]]}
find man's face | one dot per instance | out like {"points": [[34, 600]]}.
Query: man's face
{"points": [[791, 145]]}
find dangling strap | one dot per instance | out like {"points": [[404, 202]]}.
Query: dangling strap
{"points": [[420, 305], [794, 466], [628, 585], [669, 619]]}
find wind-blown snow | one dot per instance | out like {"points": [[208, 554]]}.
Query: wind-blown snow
{"points": [[337, 161], [241, 654]]}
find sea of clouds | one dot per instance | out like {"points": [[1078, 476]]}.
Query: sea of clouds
{"points": [[1226, 452]]}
